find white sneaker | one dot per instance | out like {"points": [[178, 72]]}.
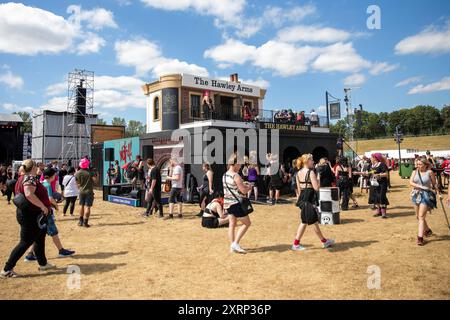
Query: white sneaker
{"points": [[298, 247], [47, 267], [235, 247], [328, 244], [8, 274]]}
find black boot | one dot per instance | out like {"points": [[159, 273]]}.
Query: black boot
{"points": [[86, 223]]}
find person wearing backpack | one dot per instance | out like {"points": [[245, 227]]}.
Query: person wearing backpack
{"points": [[423, 197]]}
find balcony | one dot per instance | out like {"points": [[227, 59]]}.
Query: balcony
{"points": [[227, 113]]}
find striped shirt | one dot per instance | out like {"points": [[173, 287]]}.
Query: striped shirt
{"points": [[230, 184]]}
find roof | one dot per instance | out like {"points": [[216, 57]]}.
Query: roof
{"points": [[4, 117]]}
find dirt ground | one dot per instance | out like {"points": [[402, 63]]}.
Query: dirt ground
{"points": [[124, 256]]}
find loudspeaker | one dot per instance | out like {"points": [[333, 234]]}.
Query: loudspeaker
{"points": [[81, 104], [135, 194], [114, 191], [109, 154], [147, 152], [326, 206]]}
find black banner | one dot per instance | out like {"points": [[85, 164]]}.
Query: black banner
{"points": [[170, 109], [284, 127]]}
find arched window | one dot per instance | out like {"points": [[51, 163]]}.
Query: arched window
{"points": [[156, 109]]}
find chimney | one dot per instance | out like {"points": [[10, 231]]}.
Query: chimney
{"points": [[234, 77]]}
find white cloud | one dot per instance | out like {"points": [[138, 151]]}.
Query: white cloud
{"points": [[304, 33], [355, 80], [432, 40], [12, 107], [288, 59], [321, 110], [340, 57], [26, 30], [29, 31], [271, 17], [11, 80], [226, 10], [382, 67], [146, 56], [233, 51], [96, 19], [92, 43], [114, 93], [442, 85], [283, 58], [408, 81]]}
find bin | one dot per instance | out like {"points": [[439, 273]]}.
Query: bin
{"points": [[406, 170]]}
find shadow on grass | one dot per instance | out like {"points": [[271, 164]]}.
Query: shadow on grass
{"points": [[275, 248], [99, 255], [437, 238], [400, 214], [85, 269], [119, 224], [344, 246], [346, 221]]}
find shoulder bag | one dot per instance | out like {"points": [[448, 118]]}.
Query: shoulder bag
{"points": [[244, 202]]}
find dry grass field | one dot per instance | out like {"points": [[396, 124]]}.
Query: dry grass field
{"points": [[420, 143], [124, 256]]}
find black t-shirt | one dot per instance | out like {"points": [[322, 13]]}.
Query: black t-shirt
{"points": [[155, 174], [62, 174]]}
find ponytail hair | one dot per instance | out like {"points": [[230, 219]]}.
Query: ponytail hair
{"points": [[301, 161]]}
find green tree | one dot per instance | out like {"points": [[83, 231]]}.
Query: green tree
{"points": [[118, 122], [27, 121], [445, 116], [134, 128], [101, 122]]}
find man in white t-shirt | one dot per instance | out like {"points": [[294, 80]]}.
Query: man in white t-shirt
{"points": [[314, 118], [175, 195]]}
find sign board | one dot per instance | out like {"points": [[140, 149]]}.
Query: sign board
{"points": [[284, 127], [219, 85], [335, 111], [125, 201]]}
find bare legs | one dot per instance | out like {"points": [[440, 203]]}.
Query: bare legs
{"points": [[235, 238]]}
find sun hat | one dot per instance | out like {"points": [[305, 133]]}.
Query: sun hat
{"points": [[84, 163]]}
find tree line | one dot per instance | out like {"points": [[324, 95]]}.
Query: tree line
{"points": [[417, 121]]}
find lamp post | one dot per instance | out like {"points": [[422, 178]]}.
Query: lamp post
{"points": [[398, 139]]}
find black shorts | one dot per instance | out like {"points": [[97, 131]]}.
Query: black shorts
{"points": [[210, 222], [175, 195], [236, 210], [275, 184], [86, 199]]}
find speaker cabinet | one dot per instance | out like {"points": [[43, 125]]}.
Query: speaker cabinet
{"points": [[135, 194], [109, 154], [147, 152]]}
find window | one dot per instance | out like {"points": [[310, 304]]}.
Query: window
{"points": [[195, 105], [156, 109]]}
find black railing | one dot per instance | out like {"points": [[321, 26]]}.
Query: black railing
{"points": [[234, 113]]}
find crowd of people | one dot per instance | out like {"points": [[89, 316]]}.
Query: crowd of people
{"points": [[288, 116], [37, 197]]}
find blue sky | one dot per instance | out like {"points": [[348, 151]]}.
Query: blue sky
{"points": [[297, 49]]}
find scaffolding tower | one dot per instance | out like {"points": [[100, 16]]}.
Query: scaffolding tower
{"points": [[80, 115]]}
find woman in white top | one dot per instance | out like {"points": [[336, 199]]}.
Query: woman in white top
{"points": [[234, 187], [70, 191]]}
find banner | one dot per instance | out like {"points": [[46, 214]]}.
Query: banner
{"points": [[335, 111], [283, 127]]}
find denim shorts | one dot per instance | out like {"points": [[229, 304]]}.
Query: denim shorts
{"points": [[422, 197], [52, 230]]}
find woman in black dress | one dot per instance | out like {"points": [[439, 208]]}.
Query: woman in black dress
{"points": [[344, 182], [308, 186], [378, 185]]}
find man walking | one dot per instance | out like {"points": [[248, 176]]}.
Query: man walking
{"points": [[177, 187], [85, 182]]}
